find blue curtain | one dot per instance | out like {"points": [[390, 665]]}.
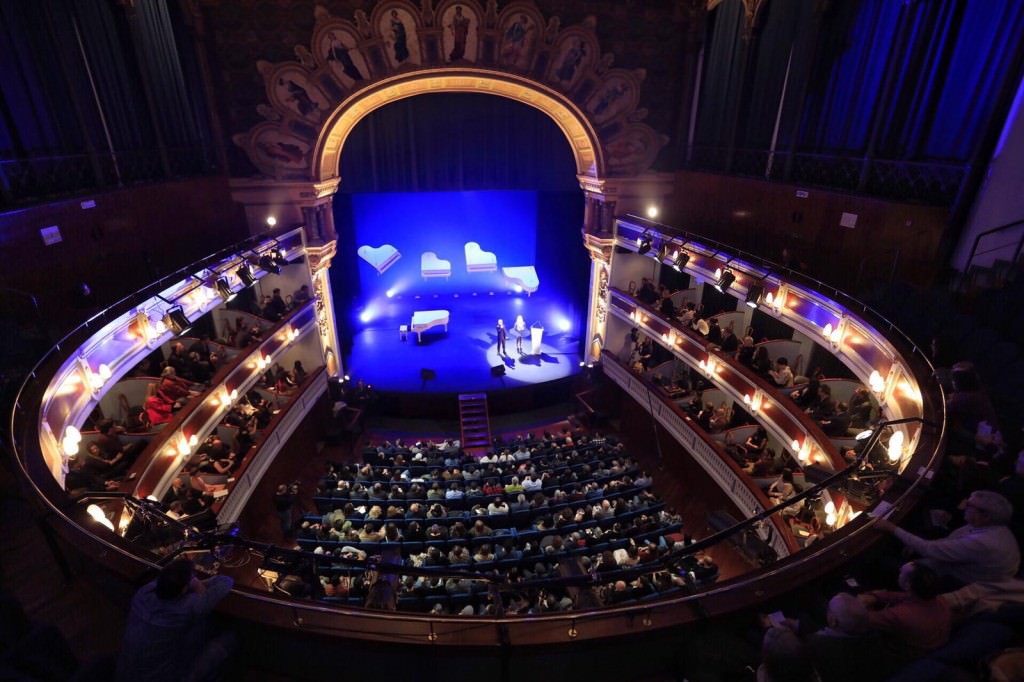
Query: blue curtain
{"points": [[906, 81]]}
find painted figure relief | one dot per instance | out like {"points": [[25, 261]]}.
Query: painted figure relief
{"points": [[517, 39], [398, 29], [280, 151], [343, 57], [457, 27], [610, 100], [569, 65], [293, 89]]}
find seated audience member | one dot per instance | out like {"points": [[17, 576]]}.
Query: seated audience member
{"points": [[914, 620], [982, 550], [754, 444], [686, 319], [784, 658], [745, 353], [761, 361], [860, 408], [301, 296], [838, 425], [714, 334], [166, 636], [807, 396], [839, 649], [781, 375], [158, 410]]}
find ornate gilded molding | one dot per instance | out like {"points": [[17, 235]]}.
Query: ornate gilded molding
{"points": [[352, 66]]}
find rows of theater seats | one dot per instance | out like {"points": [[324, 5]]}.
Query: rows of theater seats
{"points": [[555, 536]]}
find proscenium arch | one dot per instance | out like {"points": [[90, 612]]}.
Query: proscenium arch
{"points": [[578, 130]]}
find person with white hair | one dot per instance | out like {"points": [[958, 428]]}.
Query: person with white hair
{"points": [[982, 550]]}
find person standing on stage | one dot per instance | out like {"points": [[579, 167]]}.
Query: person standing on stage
{"points": [[520, 329], [502, 335]]}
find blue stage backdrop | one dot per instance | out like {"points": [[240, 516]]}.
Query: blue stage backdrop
{"points": [[381, 280], [503, 223]]}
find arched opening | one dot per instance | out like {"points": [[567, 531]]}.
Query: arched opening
{"points": [[570, 119], [466, 206]]}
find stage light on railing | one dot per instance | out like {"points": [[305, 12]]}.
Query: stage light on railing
{"points": [[643, 244], [663, 251], [269, 264], [73, 433], [836, 336], [95, 381], [830, 507], [224, 289], [876, 383], [69, 446], [176, 320], [98, 516], [245, 275], [193, 440], [827, 331], [754, 293], [725, 280], [183, 446], [895, 447], [234, 394], [830, 519], [681, 259]]}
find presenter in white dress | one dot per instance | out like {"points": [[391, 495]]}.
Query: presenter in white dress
{"points": [[520, 330]]}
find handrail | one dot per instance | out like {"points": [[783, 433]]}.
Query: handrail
{"points": [[1000, 228]]}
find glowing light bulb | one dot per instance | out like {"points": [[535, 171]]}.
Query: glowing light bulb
{"points": [[830, 507], [104, 372], [830, 519], [827, 331], [896, 446]]}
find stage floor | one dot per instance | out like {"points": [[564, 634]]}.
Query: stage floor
{"points": [[462, 357]]}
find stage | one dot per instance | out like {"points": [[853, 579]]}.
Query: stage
{"points": [[460, 360]]}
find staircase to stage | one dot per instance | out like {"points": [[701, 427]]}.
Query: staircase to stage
{"points": [[474, 424]]}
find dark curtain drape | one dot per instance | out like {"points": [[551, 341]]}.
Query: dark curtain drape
{"points": [[453, 141], [908, 81], [94, 94]]}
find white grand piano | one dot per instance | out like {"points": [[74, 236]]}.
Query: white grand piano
{"points": [[422, 320], [524, 276], [478, 260]]}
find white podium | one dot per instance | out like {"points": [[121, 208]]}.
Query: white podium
{"points": [[536, 337]]}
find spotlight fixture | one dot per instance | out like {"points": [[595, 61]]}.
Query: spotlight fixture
{"points": [[268, 263], [244, 273], [176, 320], [725, 281], [754, 294], [663, 251], [643, 244], [682, 258], [223, 288], [279, 255]]}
